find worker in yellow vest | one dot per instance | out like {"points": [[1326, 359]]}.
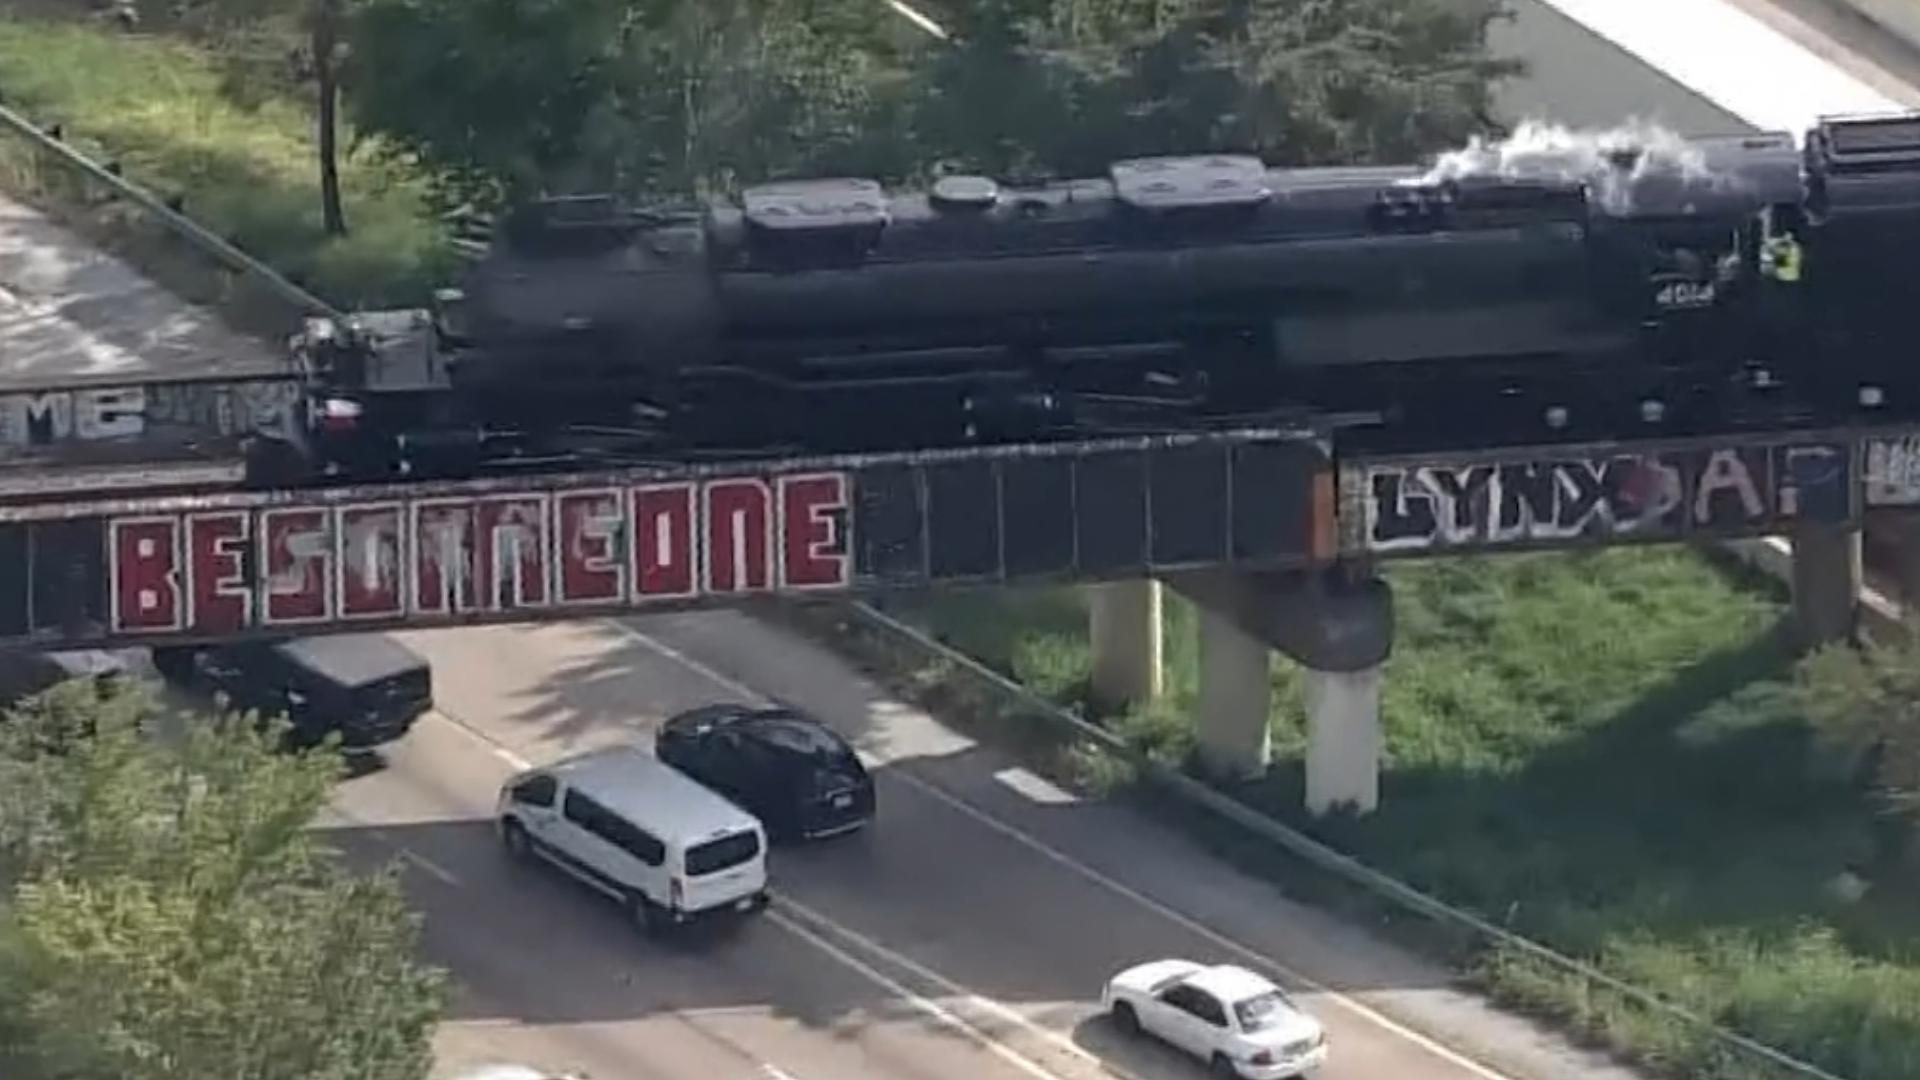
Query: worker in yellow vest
{"points": [[1780, 258]]}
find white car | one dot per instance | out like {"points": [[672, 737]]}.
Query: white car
{"points": [[1235, 1020]]}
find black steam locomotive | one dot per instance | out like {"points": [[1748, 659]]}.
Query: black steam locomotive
{"points": [[1591, 290]]}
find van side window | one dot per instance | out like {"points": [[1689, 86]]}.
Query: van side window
{"points": [[581, 810], [536, 790], [636, 841], [615, 830]]}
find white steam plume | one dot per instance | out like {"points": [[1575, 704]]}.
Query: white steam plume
{"points": [[1611, 161]]}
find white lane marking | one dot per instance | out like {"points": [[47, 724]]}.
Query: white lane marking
{"points": [[841, 955], [1012, 1016], [1033, 786], [431, 867], [446, 876], [1062, 859], [731, 684], [1246, 952], [932, 1008], [494, 746], [774, 1072]]}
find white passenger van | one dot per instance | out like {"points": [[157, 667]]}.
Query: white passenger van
{"points": [[639, 831]]}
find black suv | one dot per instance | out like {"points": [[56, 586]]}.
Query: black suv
{"points": [[368, 687], [24, 673], [794, 773]]}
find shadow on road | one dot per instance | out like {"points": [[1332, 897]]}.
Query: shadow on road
{"points": [[527, 944]]}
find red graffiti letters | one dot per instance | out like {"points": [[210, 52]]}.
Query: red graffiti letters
{"points": [[739, 519], [145, 562], [589, 533], [371, 543], [443, 558], [217, 551], [296, 564], [663, 555], [813, 511]]}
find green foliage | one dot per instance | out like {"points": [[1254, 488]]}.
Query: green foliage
{"points": [[1066, 86], [1608, 752], [502, 98], [1865, 708], [172, 916], [158, 106], [508, 97]]}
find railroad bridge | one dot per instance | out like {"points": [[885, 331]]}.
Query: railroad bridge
{"points": [[1276, 534], [122, 520]]}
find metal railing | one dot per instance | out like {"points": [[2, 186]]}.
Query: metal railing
{"points": [[1344, 867], [179, 224]]}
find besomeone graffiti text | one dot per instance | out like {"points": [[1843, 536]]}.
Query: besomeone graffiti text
{"points": [[430, 559]]}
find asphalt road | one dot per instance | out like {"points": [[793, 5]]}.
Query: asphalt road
{"points": [[965, 936]]}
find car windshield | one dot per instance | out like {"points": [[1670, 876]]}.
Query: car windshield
{"points": [[1261, 1011], [802, 737], [724, 853]]}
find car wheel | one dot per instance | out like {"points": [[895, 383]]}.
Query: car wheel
{"points": [[174, 664], [514, 836], [1127, 1020], [1222, 1067], [651, 916]]}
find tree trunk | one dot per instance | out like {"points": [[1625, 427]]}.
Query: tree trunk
{"points": [[325, 33]]}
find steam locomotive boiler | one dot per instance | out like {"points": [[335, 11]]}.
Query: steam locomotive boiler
{"points": [[1576, 287]]}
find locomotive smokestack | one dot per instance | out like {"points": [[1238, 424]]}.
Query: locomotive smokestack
{"points": [[1624, 158]]}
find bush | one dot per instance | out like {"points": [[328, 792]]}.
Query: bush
{"points": [[1605, 751], [169, 915]]}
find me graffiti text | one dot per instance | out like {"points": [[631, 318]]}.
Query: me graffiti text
{"points": [[453, 558]]}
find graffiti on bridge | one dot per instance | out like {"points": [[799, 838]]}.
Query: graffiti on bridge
{"points": [[439, 559], [1609, 496]]}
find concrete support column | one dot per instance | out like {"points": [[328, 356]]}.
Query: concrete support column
{"points": [[1236, 693], [1891, 541], [1826, 582], [1343, 739], [1125, 638]]}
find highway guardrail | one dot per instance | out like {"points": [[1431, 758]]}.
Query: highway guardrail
{"points": [[1344, 867], [50, 143]]}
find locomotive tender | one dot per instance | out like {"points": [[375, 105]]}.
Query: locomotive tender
{"points": [[1587, 289]]}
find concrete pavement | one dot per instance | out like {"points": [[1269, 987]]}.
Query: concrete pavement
{"points": [[966, 935]]}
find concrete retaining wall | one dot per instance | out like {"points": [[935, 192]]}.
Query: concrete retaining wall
{"points": [[1901, 18], [1773, 555]]}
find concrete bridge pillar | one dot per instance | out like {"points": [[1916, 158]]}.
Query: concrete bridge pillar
{"points": [[1343, 740], [1891, 541], [1236, 699], [1826, 582], [1124, 632], [1339, 625]]}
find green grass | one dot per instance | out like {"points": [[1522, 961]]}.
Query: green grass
{"points": [[155, 105], [1596, 750], [1593, 749]]}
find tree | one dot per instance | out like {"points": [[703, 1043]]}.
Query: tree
{"points": [[507, 98], [511, 97], [269, 46], [323, 35], [173, 917], [1065, 86]]}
